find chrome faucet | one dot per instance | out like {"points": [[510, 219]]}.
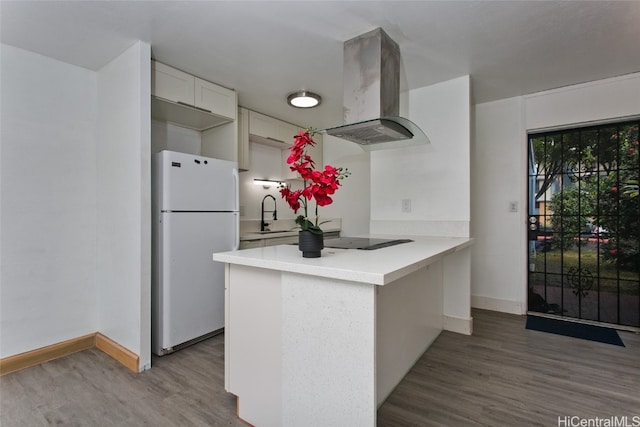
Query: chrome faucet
{"points": [[263, 224]]}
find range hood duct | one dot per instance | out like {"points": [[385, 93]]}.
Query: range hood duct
{"points": [[372, 95]]}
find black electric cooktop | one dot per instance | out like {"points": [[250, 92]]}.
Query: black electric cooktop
{"points": [[362, 243]]}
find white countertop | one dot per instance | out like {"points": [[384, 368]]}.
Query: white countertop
{"points": [[379, 267]]}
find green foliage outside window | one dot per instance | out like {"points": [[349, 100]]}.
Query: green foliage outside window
{"points": [[599, 171]]}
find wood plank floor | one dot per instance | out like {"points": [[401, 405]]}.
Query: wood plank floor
{"points": [[503, 375]]}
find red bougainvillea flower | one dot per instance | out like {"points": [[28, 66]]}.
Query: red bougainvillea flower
{"points": [[292, 198], [304, 169], [309, 191], [614, 189], [319, 185], [307, 158], [301, 140], [323, 200]]}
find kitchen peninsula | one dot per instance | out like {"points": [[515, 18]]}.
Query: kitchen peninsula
{"points": [[323, 341]]}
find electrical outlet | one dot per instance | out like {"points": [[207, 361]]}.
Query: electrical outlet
{"points": [[406, 205], [513, 206]]}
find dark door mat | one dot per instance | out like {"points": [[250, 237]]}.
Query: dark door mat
{"points": [[575, 330]]}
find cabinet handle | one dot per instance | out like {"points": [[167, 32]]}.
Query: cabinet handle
{"points": [[188, 105], [203, 109], [197, 108], [276, 140]]}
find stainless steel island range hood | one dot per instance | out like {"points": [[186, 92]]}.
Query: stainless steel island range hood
{"points": [[372, 95]]}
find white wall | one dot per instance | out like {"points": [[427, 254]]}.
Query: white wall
{"points": [[167, 136], [603, 100], [499, 254], [434, 177], [75, 201], [124, 201], [352, 201], [499, 177], [48, 201]]}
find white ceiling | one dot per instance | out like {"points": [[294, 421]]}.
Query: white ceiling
{"points": [[266, 49]]}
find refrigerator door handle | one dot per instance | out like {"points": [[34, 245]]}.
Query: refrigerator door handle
{"points": [[236, 180], [236, 240]]}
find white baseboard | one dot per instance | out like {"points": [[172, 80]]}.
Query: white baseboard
{"points": [[495, 304], [458, 325]]}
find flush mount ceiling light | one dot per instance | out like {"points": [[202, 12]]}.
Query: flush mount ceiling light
{"points": [[304, 99]]}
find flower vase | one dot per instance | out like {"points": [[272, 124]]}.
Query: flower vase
{"points": [[311, 244]]}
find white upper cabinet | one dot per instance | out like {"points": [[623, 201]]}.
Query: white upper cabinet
{"points": [[189, 101], [260, 128], [286, 132], [212, 97], [171, 84], [267, 130]]}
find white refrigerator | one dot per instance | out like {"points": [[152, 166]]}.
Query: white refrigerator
{"points": [[195, 213]]}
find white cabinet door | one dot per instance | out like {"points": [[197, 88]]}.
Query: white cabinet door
{"points": [[188, 101], [262, 126], [285, 132], [215, 99], [270, 131], [277, 133], [171, 84]]}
